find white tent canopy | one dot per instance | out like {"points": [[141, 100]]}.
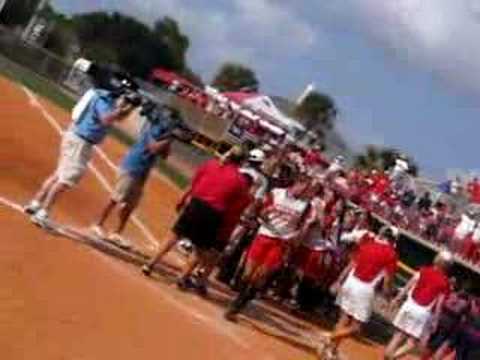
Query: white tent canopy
{"points": [[264, 105]]}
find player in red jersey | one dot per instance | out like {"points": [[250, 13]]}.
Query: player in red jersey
{"points": [[425, 294], [283, 216], [373, 262]]}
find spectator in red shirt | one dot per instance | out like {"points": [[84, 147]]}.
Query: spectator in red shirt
{"points": [[473, 189], [381, 184], [373, 262], [217, 187], [425, 294]]}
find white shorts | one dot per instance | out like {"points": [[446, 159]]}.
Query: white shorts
{"points": [[355, 298], [413, 318], [75, 153]]}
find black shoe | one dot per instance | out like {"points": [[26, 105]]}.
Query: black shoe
{"points": [[200, 285], [201, 289], [231, 315], [147, 270], [185, 284]]}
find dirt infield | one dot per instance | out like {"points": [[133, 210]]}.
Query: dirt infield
{"points": [[63, 300]]}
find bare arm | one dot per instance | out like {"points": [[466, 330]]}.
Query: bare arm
{"points": [[439, 306], [406, 289], [345, 272], [159, 146], [118, 114]]}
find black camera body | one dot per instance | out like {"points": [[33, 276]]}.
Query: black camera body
{"points": [[117, 82]]}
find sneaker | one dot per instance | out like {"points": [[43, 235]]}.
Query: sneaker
{"points": [[331, 353], [40, 218], [32, 207], [185, 247], [147, 270], [98, 231], [120, 240], [323, 345]]}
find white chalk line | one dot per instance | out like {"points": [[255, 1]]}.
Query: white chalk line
{"points": [[151, 243], [173, 300], [12, 205]]}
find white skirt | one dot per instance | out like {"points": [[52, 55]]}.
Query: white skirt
{"points": [[412, 318], [355, 298]]}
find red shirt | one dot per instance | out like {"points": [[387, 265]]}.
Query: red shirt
{"points": [[232, 216], [372, 258], [431, 284], [474, 190], [219, 184], [381, 183], [313, 157]]}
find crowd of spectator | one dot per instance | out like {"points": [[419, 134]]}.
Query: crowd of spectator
{"points": [[393, 194]]}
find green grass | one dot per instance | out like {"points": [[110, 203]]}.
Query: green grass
{"points": [[52, 92], [39, 85]]}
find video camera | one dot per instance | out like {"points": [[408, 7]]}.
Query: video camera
{"points": [[117, 82], [154, 112]]}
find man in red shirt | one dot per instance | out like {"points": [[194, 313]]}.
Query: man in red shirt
{"points": [[425, 294], [373, 262], [217, 186]]}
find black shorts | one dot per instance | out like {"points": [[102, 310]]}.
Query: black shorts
{"points": [[440, 336], [200, 223]]}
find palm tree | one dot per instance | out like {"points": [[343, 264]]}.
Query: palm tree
{"points": [[381, 158], [235, 77], [317, 112]]}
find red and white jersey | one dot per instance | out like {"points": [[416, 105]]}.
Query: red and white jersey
{"points": [[284, 216]]}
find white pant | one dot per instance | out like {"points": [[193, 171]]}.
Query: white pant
{"points": [[75, 154]]}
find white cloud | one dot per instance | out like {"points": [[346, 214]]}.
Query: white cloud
{"points": [[440, 35]]}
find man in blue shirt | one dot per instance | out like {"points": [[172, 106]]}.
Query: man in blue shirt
{"points": [[90, 128], [154, 141]]}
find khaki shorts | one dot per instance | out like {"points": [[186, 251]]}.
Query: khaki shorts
{"points": [[75, 154], [128, 190]]}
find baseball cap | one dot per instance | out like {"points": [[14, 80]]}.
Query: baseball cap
{"points": [[340, 158], [256, 155]]}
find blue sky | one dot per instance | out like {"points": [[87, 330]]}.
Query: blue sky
{"points": [[404, 73]]}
